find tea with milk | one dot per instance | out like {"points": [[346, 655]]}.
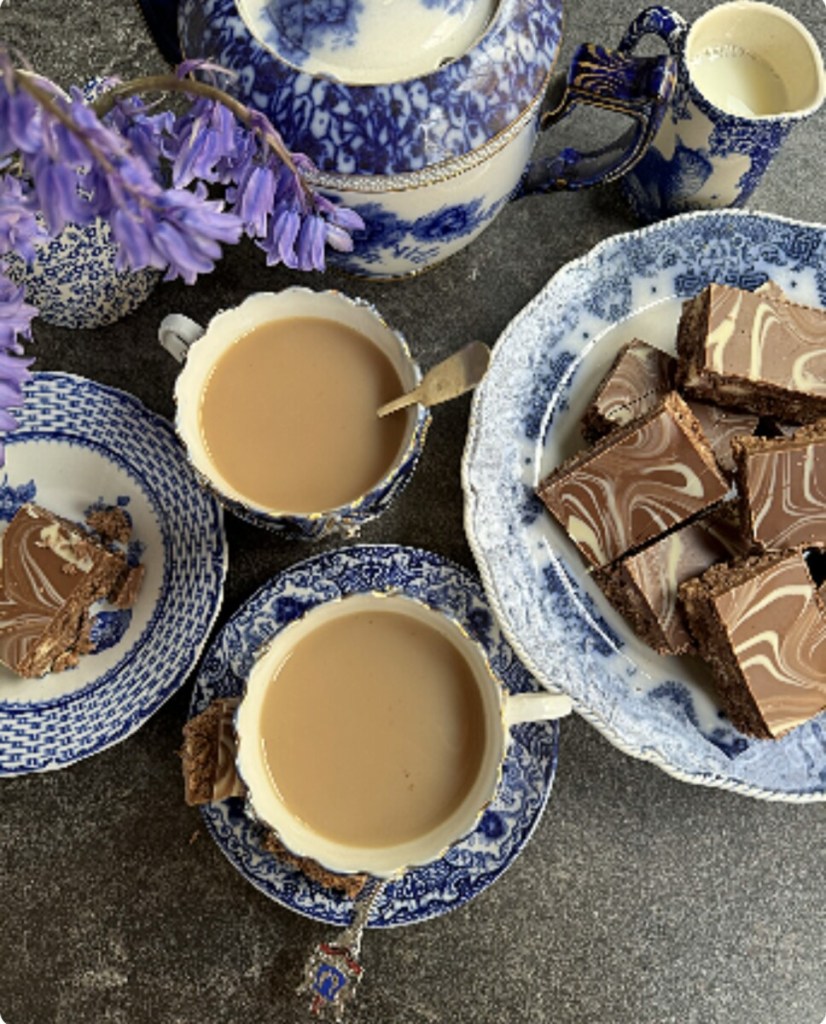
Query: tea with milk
{"points": [[288, 415], [373, 728]]}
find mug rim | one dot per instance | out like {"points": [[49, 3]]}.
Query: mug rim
{"points": [[384, 861], [190, 434], [781, 14]]}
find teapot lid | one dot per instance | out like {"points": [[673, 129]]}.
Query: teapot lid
{"points": [[368, 43], [409, 125]]}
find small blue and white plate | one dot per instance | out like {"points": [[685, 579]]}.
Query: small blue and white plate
{"points": [[525, 421], [80, 444], [473, 863]]}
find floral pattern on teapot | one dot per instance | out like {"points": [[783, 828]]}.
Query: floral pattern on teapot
{"points": [[389, 237], [394, 128], [303, 25], [358, 42]]}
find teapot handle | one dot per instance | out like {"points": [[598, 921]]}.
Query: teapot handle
{"points": [[639, 87]]}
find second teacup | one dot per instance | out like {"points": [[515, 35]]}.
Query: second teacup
{"points": [[277, 406], [372, 733]]}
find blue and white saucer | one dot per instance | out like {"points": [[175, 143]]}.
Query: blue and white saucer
{"points": [[469, 866], [80, 444], [525, 420]]}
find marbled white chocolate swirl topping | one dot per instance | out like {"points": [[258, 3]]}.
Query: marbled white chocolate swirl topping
{"points": [[644, 585], [782, 482], [762, 628], [721, 426], [763, 339], [639, 378], [51, 573], [636, 483], [755, 351], [777, 631]]}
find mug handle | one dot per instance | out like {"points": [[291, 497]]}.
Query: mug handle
{"points": [[660, 21], [640, 87], [177, 333], [535, 707]]}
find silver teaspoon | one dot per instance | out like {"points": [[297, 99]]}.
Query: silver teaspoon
{"points": [[333, 971]]}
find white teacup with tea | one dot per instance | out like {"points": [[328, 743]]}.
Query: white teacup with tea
{"points": [[372, 733], [277, 406]]}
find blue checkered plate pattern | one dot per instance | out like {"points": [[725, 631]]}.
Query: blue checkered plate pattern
{"points": [[80, 444]]}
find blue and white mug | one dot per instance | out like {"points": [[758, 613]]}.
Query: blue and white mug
{"points": [[747, 73]]}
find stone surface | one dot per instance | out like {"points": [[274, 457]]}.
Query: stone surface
{"points": [[640, 899]]}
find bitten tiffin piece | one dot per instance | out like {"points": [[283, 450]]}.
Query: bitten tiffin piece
{"points": [[52, 572], [635, 483], [753, 352], [761, 627], [782, 487]]}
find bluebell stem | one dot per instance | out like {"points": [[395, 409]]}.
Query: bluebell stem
{"points": [[74, 161]]}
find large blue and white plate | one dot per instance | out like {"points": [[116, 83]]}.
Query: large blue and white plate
{"points": [[80, 443], [525, 421], [469, 866]]}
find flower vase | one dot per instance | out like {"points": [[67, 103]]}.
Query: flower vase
{"points": [[74, 280]]}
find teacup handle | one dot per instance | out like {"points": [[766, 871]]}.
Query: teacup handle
{"points": [[640, 87], [656, 20], [177, 333], [535, 707]]}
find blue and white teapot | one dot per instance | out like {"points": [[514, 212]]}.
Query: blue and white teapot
{"points": [[419, 114]]}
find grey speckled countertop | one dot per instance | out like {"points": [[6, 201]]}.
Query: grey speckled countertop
{"points": [[639, 900]]}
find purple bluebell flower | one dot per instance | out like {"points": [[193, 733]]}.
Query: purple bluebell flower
{"points": [[309, 247], [279, 243], [337, 238], [15, 318], [57, 190], [176, 229], [254, 197], [341, 216], [19, 227], [144, 133], [20, 121], [201, 140]]}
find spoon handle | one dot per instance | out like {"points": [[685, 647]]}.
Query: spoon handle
{"points": [[448, 379], [399, 403], [333, 971]]}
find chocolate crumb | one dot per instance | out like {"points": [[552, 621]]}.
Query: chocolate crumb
{"points": [[125, 591], [111, 524]]}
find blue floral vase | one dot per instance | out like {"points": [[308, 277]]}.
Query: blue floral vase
{"points": [[74, 280]]}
